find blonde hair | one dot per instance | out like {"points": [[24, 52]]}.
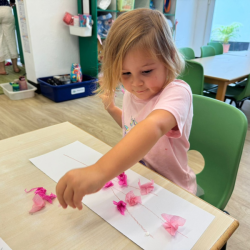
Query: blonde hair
{"points": [[143, 28]]}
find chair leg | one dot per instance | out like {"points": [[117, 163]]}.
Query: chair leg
{"points": [[224, 247], [241, 104]]}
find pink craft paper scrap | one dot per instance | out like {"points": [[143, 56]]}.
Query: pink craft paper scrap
{"points": [[122, 179], [146, 188], [108, 184], [172, 223], [132, 199], [42, 192], [121, 206], [38, 204]]}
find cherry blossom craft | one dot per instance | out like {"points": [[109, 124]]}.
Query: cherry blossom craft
{"points": [[42, 193], [38, 204], [132, 199], [146, 188], [122, 179], [40, 196], [108, 184], [121, 206], [172, 223]]}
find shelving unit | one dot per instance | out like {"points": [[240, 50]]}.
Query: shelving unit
{"points": [[88, 45]]}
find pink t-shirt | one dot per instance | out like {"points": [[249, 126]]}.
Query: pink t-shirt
{"points": [[168, 156]]}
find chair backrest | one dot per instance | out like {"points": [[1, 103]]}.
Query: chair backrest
{"points": [[188, 53], [218, 47], [245, 92], [218, 133], [207, 51], [193, 74]]}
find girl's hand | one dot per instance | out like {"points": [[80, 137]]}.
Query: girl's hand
{"points": [[105, 99], [77, 183]]}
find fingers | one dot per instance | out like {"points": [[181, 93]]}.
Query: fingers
{"points": [[78, 200], [60, 187], [68, 196]]}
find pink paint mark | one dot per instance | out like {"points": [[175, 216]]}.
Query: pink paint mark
{"points": [[139, 224], [132, 215], [118, 190], [76, 160], [148, 210]]}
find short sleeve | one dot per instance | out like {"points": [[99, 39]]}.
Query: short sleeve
{"points": [[176, 99]]}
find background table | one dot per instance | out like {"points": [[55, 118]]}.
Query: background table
{"points": [[224, 69], [239, 53], [56, 228]]}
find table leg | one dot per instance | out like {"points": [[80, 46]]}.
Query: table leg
{"points": [[221, 91]]}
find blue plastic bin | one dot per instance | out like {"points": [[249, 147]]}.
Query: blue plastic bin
{"points": [[70, 91]]}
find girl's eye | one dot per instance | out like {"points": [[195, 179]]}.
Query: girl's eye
{"points": [[147, 71], [126, 73]]}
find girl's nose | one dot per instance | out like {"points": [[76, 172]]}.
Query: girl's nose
{"points": [[137, 81]]}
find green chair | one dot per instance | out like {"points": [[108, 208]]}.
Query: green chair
{"points": [[242, 83], [218, 47], [188, 53], [218, 133], [193, 74], [207, 51], [237, 94]]}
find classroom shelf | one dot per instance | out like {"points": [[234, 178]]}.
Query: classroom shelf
{"points": [[88, 45], [100, 10], [166, 14]]}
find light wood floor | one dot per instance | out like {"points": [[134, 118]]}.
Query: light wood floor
{"points": [[17, 117]]}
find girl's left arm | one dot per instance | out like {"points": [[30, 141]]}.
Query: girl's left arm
{"points": [[132, 148]]}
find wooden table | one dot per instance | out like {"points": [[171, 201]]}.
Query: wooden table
{"points": [[224, 69], [239, 53], [56, 228]]}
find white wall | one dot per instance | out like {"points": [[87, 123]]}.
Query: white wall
{"points": [[52, 48], [185, 14], [194, 23]]}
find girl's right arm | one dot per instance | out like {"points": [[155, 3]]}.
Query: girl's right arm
{"points": [[116, 113]]}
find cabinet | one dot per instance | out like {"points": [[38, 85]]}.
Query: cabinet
{"points": [[88, 45]]}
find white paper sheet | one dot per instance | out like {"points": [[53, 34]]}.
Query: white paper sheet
{"points": [[3, 245], [56, 163]]}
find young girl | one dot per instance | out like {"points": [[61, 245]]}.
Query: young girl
{"points": [[157, 109]]}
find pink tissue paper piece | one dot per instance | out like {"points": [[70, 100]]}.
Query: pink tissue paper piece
{"points": [[131, 199], [146, 188], [122, 179], [108, 184], [39, 203], [42, 192], [121, 206], [172, 223]]}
